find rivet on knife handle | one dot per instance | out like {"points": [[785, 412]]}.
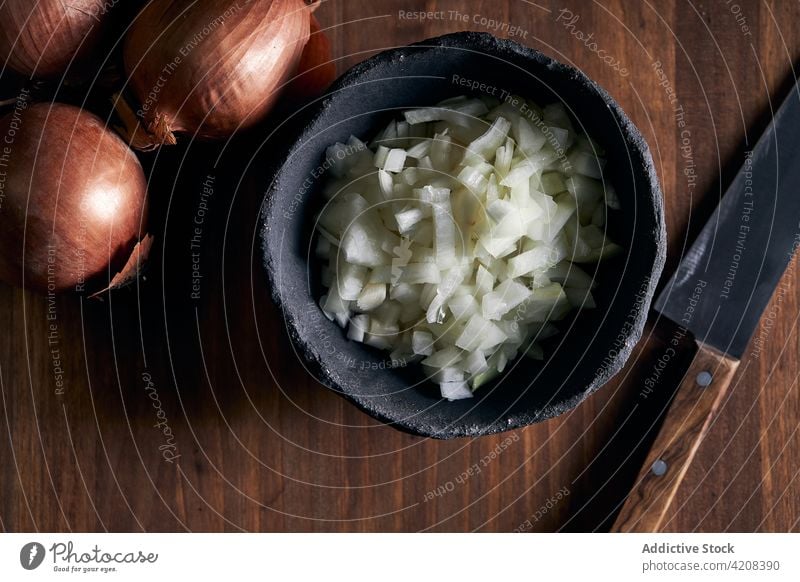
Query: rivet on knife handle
{"points": [[695, 404]]}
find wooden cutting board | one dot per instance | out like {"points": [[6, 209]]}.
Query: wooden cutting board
{"points": [[160, 410]]}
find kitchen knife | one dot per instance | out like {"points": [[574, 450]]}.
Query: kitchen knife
{"points": [[718, 293]]}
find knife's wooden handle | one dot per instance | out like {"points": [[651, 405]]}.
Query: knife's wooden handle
{"points": [[686, 423]]}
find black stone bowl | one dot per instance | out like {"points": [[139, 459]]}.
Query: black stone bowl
{"points": [[592, 347]]}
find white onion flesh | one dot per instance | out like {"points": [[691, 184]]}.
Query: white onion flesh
{"points": [[452, 239]]}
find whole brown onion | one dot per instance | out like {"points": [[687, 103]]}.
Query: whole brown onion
{"points": [[72, 199], [211, 67], [40, 37], [316, 70]]}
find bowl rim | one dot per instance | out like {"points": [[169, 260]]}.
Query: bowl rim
{"points": [[485, 43]]}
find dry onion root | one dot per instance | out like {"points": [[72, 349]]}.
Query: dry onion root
{"points": [[211, 67], [42, 38], [72, 201]]}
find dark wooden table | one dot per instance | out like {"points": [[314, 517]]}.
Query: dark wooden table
{"points": [[195, 414]]}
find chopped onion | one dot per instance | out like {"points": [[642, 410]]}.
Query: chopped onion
{"points": [[358, 326], [460, 249], [395, 160]]}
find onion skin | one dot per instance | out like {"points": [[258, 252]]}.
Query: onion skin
{"points": [[39, 38], [316, 70], [72, 199], [211, 67]]}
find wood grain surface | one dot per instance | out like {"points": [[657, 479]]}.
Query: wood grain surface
{"points": [[179, 413]]}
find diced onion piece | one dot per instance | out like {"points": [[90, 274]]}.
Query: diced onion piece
{"points": [[486, 145], [350, 280], [322, 302], [530, 138], [504, 109], [422, 343], [587, 144], [527, 263], [326, 277], [484, 281], [441, 150], [358, 327], [472, 179], [371, 296], [485, 377], [508, 295], [492, 189], [404, 293], [545, 303], [427, 295], [448, 374], [463, 306], [436, 312], [543, 331], [387, 332], [479, 334], [586, 192], [535, 352], [455, 390], [548, 231], [338, 159], [381, 274], [587, 164], [515, 332], [420, 150], [416, 116], [395, 160], [475, 363], [458, 114], [444, 228], [422, 254], [498, 246], [559, 138], [580, 298], [607, 251], [379, 159], [378, 341], [406, 219], [386, 184], [443, 358], [446, 334], [387, 314], [520, 174], [388, 134], [599, 216], [570, 275], [334, 302], [411, 314], [612, 199], [323, 247], [557, 114]]}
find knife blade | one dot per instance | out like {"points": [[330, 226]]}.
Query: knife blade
{"points": [[719, 292], [743, 250]]}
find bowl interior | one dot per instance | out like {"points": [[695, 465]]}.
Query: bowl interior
{"points": [[592, 345]]}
